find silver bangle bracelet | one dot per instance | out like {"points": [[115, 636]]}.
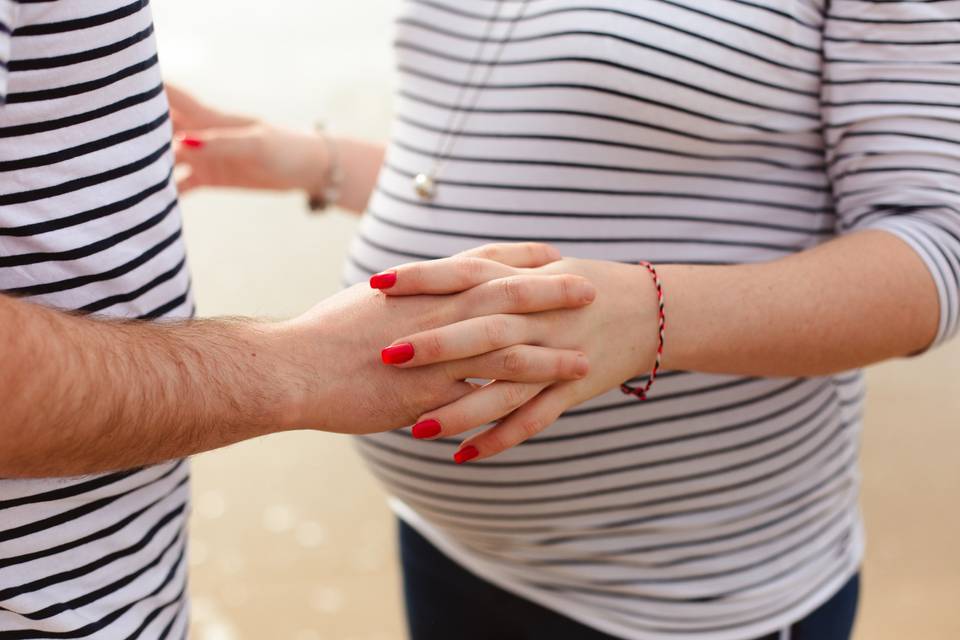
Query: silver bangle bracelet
{"points": [[328, 193]]}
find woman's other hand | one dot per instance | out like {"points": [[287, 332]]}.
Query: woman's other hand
{"points": [[617, 333], [218, 149]]}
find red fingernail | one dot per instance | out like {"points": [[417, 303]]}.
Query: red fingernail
{"points": [[383, 280], [465, 455], [426, 429], [397, 354], [193, 143]]}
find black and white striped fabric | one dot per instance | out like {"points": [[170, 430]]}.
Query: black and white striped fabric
{"points": [[690, 131], [89, 222]]}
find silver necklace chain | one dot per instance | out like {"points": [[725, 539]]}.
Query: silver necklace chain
{"points": [[425, 183]]}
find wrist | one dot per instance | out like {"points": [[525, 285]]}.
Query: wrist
{"points": [[290, 159], [642, 330], [675, 280], [315, 168], [330, 175], [298, 392], [269, 396]]}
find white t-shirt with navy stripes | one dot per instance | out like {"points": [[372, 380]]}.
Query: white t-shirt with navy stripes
{"points": [[675, 131], [89, 222]]}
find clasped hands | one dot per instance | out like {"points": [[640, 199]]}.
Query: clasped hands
{"points": [[547, 333]]}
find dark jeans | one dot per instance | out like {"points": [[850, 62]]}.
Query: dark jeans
{"points": [[445, 601]]}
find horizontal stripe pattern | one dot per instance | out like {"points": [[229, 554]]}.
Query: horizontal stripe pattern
{"points": [[89, 221], [725, 507]]}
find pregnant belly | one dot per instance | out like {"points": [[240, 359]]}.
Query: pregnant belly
{"points": [[710, 463]]}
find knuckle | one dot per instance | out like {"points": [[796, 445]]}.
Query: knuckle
{"points": [[530, 426], [498, 440], [496, 331], [514, 395], [514, 292], [568, 288], [514, 362], [564, 365], [432, 345], [542, 253], [490, 251], [469, 270]]}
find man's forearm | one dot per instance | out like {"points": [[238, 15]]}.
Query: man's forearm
{"points": [[854, 301], [79, 395]]}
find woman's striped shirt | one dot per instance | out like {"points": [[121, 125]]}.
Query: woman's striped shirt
{"points": [[89, 222], [676, 131]]}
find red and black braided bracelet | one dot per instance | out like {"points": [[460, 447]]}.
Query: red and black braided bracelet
{"points": [[641, 392]]}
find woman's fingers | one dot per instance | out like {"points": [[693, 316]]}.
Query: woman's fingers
{"points": [[524, 363], [516, 254], [489, 403], [496, 316], [526, 294], [191, 113], [465, 270], [464, 339], [439, 277], [527, 421], [492, 316], [213, 145], [215, 157], [500, 319]]}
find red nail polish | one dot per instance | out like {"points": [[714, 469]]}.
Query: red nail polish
{"points": [[383, 280], [426, 429], [465, 455], [397, 354], [193, 143]]}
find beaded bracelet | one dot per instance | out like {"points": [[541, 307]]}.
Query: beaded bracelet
{"points": [[641, 392]]}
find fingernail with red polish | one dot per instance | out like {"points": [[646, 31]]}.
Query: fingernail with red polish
{"points": [[193, 143], [397, 354], [383, 280], [426, 429], [465, 455]]}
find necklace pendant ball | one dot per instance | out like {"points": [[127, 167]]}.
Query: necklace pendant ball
{"points": [[425, 186]]}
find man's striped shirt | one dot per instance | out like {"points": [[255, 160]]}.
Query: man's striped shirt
{"points": [[89, 222]]}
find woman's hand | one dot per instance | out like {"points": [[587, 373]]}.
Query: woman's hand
{"points": [[332, 355], [617, 332], [217, 149]]}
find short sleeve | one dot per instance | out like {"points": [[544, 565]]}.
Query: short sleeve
{"points": [[8, 11], [891, 109]]}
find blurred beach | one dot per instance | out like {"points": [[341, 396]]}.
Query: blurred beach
{"points": [[291, 537]]}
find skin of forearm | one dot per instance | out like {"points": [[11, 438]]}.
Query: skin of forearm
{"points": [[848, 303], [361, 165], [81, 396]]}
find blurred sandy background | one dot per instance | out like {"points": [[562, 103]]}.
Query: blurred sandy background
{"points": [[291, 538]]}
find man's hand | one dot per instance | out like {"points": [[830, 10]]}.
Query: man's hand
{"points": [[345, 386]]}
